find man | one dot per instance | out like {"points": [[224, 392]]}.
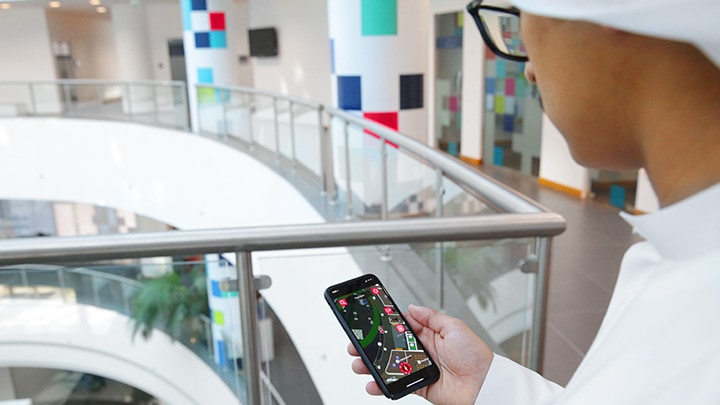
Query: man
{"points": [[630, 84]]}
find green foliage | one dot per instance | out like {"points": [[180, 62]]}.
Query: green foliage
{"points": [[172, 302]]}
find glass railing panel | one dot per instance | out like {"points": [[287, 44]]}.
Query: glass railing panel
{"points": [[263, 121], [210, 111], [180, 300], [11, 284], [306, 134], [238, 113], [141, 103], [170, 101], [15, 99], [82, 100], [412, 185], [357, 167], [47, 98], [457, 201], [479, 282]]}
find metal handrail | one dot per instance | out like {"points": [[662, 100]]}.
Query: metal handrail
{"points": [[95, 82], [490, 190], [250, 90], [416, 230]]}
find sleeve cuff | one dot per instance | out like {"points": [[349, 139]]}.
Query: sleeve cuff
{"points": [[509, 383]]}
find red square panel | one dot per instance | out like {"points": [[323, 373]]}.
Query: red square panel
{"points": [[389, 119], [217, 21]]}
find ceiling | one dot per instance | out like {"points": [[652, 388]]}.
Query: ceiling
{"points": [[72, 5]]}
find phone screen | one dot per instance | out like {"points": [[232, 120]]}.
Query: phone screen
{"points": [[397, 357]]}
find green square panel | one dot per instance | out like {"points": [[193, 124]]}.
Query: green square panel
{"points": [[379, 17], [206, 95], [218, 318]]}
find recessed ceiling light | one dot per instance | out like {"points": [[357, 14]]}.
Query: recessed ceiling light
{"points": [[5, 6], [54, 4], [101, 10], [94, 2]]}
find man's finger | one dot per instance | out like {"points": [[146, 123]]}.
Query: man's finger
{"points": [[352, 350], [358, 367]]}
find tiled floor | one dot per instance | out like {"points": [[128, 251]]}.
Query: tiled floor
{"points": [[584, 264]]}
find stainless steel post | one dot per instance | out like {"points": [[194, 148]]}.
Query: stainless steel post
{"points": [[249, 326], [440, 246], [348, 187], [156, 110], [225, 120], [277, 128], [33, 102], [67, 98], [292, 136], [542, 248], [326, 158], [384, 175], [128, 99], [99, 96], [251, 111], [61, 284]]}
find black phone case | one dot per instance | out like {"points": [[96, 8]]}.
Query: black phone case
{"points": [[368, 363]]}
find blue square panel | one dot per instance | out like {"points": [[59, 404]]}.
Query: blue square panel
{"points": [[411, 91], [509, 123], [202, 40], [498, 156], [349, 92], [199, 5], [218, 39], [617, 196]]}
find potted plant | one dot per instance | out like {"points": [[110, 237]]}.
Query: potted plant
{"points": [[172, 302]]}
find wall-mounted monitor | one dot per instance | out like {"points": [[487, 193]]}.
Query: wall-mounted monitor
{"points": [[263, 42]]}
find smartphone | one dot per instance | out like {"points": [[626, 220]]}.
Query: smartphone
{"points": [[390, 349]]}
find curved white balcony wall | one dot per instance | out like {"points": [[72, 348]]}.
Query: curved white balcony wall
{"points": [[174, 177], [53, 334]]}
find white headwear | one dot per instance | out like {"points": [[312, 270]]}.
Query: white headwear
{"points": [[693, 21]]}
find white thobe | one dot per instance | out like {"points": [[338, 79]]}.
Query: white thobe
{"points": [[659, 342]]}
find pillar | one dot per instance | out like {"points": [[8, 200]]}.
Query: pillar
{"points": [[379, 63], [208, 59]]}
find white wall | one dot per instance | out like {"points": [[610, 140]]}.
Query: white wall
{"points": [[91, 41], [239, 16], [132, 47], [302, 68], [25, 45], [646, 199], [163, 22], [557, 165]]}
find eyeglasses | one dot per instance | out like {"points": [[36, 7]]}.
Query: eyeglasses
{"points": [[500, 28]]}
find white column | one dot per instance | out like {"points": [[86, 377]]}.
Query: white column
{"points": [[208, 59]]}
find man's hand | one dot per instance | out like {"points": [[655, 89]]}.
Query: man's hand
{"points": [[463, 358]]}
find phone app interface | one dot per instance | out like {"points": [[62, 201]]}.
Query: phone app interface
{"points": [[389, 344]]}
